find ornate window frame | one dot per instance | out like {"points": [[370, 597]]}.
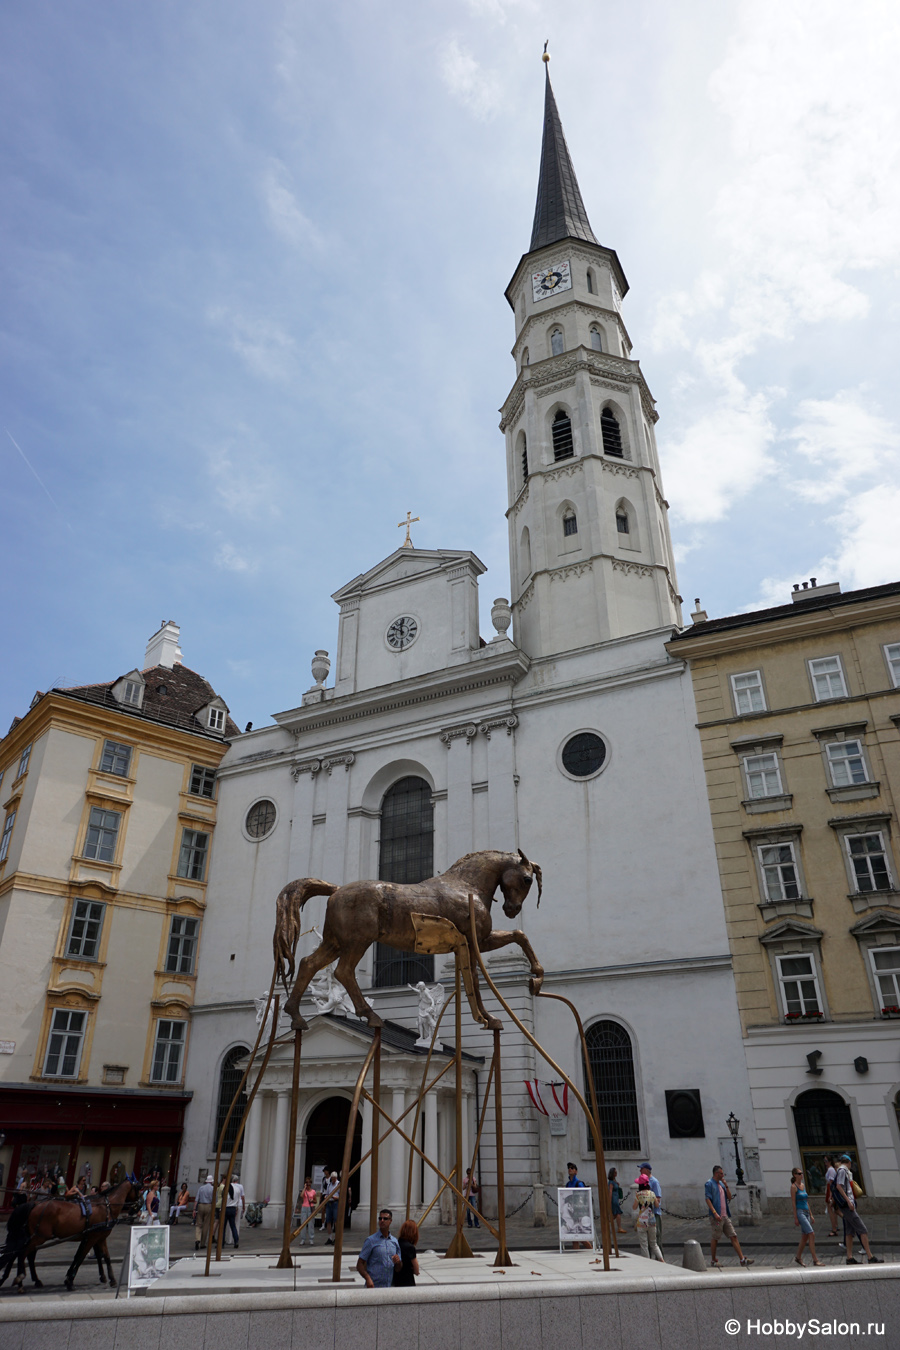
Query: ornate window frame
{"points": [[773, 835], [791, 938]]}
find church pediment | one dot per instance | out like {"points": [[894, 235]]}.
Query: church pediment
{"points": [[403, 564]]}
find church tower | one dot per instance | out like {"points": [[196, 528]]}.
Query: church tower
{"points": [[590, 552]]}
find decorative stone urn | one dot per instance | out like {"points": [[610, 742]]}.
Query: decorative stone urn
{"points": [[501, 618], [320, 668]]}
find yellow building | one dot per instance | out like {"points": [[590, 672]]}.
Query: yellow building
{"points": [[799, 718], [108, 811]]}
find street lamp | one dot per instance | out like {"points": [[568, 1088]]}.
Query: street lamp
{"points": [[734, 1129]]}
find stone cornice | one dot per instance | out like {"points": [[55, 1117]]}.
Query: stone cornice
{"points": [[545, 376], [595, 254], [624, 468], [567, 570]]}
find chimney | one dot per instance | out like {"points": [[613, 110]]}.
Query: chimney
{"points": [[699, 615], [811, 590], [163, 648]]}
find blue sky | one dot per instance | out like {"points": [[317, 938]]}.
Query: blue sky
{"points": [[253, 261]]}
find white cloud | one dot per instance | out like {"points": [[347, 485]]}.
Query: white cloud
{"points": [[284, 211], [844, 440], [262, 344], [229, 559], [722, 454], [244, 485], [467, 81]]}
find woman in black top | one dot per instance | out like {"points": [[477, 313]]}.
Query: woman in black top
{"points": [[405, 1273]]}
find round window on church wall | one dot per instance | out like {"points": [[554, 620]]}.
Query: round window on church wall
{"points": [[584, 754], [260, 819]]}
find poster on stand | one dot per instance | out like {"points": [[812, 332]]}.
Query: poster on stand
{"points": [[148, 1256], [576, 1217]]}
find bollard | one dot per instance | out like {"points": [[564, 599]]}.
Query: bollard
{"points": [[693, 1258]]}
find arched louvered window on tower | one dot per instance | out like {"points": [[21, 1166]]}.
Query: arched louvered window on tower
{"points": [[570, 522], [590, 282], [596, 340], [611, 1062], [612, 434], [622, 525], [406, 854], [229, 1081], [561, 430], [557, 342], [525, 556], [524, 448]]}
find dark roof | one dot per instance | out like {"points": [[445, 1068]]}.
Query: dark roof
{"points": [[402, 1038], [559, 212], [186, 693], [832, 601]]}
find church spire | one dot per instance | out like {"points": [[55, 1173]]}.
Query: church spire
{"points": [[559, 212]]}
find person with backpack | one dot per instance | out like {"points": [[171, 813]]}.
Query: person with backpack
{"points": [[844, 1192], [646, 1204]]}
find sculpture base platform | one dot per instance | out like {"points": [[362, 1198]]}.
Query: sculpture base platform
{"points": [[257, 1274]]}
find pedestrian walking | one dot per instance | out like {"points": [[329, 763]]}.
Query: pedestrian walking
{"points": [[203, 1204], [830, 1206], [332, 1186], [380, 1254], [408, 1239], [230, 1212], [845, 1199], [717, 1196], [803, 1218], [655, 1187], [152, 1204], [646, 1204], [615, 1199], [239, 1201], [307, 1206], [470, 1191]]}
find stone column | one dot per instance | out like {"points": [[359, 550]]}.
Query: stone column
{"points": [[338, 789], [399, 1153], [250, 1151], [274, 1211], [432, 1183], [304, 775], [459, 791], [501, 782]]}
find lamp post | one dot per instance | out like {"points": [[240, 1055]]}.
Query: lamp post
{"points": [[734, 1129]]}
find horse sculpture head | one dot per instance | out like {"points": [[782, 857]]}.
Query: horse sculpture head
{"points": [[515, 883]]}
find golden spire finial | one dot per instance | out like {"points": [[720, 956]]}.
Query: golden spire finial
{"points": [[546, 56], [410, 520]]}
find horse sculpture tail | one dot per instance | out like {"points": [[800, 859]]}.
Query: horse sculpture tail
{"points": [[287, 921]]}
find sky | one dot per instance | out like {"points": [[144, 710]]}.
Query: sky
{"points": [[253, 256]]}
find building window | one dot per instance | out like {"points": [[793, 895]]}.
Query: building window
{"points": [[132, 693], [590, 282], [622, 521], [103, 831], [685, 1114], [229, 1082], [7, 835], [406, 855], [64, 1045], [182, 946], [892, 656], [115, 759], [192, 858], [84, 931], [203, 781], [23, 762], [167, 1051], [525, 555], [596, 340], [747, 690], [611, 1063], [557, 346], [845, 760], [886, 969], [563, 445], [570, 523], [525, 357], [611, 433], [799, 986], [763, 775], [827, 678], [824, 1125], [868, 860], [584, 755], [216, 720], [260, 819], [779, 870]]}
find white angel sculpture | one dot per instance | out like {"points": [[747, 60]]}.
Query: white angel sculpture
{"points": [[430, 1003]]}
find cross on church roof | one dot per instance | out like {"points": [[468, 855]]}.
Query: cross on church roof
{"points": [[410, 520]]}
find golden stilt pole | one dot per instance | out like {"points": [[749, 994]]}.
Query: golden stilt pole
{"points": [[376, 1093], [459, 1247], [374, 1048], [285, 1261], [503, 1258]]}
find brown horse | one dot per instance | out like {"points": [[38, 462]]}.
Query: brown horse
{"points": [[32, 1225], [381, 911]]}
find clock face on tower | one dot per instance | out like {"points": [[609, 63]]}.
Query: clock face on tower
{"points": [[556, 277], [402, 633]]}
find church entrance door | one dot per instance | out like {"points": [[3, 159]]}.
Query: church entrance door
{"points": [[326, 1130]]}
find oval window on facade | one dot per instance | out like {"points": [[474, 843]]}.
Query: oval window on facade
{"points": [[260, 819], [584, 754]]}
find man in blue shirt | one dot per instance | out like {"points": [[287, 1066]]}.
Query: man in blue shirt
{"points": [[574, 1181], [717, 1197], [380, 1254]]}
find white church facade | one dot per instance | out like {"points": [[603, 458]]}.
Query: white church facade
{"points": [[572, 737]]}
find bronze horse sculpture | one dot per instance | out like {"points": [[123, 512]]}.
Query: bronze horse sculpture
{"points": [[31, 1225], [364, 912]]}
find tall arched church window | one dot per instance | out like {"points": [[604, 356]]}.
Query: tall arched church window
{"points": [[596, 340], [611, 1062], [563, 445], [622, 521], [557, 345], [229, 1078], [612, 434], [406, 855], [570, 522]]}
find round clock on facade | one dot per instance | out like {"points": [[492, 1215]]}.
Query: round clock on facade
{"points": [[556, 277], [402, 632]]}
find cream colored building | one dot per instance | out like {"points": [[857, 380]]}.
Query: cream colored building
{"points": [[108, 796], [799, 716]]}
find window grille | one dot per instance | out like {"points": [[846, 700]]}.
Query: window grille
{"points": [[84, 932], [64, 1045], [115, 759], [622, 522], [563, 446], [103, 830], [406, 855], [611, 1062], [823, 1120], [182, 946], [583, 754], [611, 433], [192, 858], [229, 1079], [869, 862], [260, 820], [167, 1051], [203, 781], [524, 461], [570, 523]]}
